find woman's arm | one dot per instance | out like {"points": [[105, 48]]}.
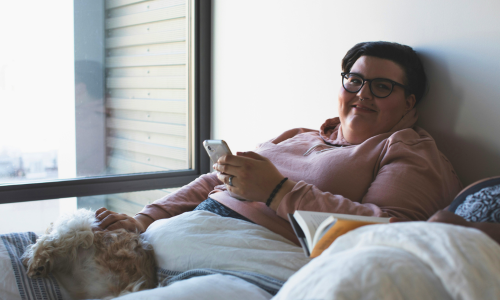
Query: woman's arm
{"points": [[490, 229], [185, 199], [255, 178]]}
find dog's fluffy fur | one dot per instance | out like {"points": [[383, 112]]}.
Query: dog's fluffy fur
{"points": [[92, 264]]}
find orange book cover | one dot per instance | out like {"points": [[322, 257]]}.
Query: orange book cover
{"points": [[341, 227]]}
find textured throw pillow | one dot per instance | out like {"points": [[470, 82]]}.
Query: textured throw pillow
{"points": [[479, 206]]}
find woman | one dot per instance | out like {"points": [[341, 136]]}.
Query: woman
{"points": [[371, 160]]}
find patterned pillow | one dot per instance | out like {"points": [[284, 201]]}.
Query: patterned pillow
{"points": [[482, 206]]}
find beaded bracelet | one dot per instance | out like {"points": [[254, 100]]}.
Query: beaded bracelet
{"points": [[275, 191]]}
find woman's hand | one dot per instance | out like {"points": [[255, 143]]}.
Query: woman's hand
{"points": [[110, 220], [254, 177], [491, 229], [445, 216], [398, 220]]}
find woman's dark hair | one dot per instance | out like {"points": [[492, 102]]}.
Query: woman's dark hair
{"points": [[402, 55]]}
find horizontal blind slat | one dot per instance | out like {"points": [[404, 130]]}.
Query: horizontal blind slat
{"points": [[163, 94], [131, 167], [117, 3], [153, 149], [148, 71], [161, 82], [146, 60], [150, 116], [146, 126], [147, 105], [149, 137], [148, 28], [164, 162], [147, 17], [163, 48], [141, 6], [151, 38]]}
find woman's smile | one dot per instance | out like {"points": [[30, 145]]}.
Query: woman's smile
{"points": [[362, 108]]}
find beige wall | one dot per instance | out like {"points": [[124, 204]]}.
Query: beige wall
{"points": [[276, 66]]}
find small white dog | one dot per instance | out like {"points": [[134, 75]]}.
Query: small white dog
{"points": [[90, 263]]}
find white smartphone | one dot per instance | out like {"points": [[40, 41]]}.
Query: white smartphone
{"points": [[216, 149]]}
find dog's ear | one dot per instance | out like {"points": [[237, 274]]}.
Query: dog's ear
{"points": [[37, 259]]}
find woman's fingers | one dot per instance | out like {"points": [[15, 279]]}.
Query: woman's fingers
{"points": [[397, 220], [226, 169], [99, 211], [225, 178], [104, 214], [110, 219], [232, 160], [234, 165]]}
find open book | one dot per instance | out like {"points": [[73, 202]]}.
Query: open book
{"points": [[317, 230]]}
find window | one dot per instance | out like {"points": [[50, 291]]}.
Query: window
{"points": [[103, 97]]}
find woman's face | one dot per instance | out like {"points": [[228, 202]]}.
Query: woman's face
{"points": [[364, 119]]}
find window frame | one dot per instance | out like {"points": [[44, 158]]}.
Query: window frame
{"points": [[111, 184]]}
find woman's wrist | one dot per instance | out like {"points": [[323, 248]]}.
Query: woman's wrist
{"points": [[286, 188], [144, 221]]}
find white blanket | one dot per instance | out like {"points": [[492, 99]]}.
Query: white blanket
{"points": [[200, 239], [416, 260]]}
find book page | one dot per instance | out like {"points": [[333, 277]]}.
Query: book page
{"points": [[324, 215], [322, 230], [312, 219], [309, 222]]}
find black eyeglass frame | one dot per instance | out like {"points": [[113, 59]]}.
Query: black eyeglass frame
{"points": [[393, 83]]}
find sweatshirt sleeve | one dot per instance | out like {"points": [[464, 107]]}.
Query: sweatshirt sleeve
{"points": [[183, 200], [414, 180]]}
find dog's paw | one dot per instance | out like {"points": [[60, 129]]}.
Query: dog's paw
{"points": [[38, 269], [36, 266]]}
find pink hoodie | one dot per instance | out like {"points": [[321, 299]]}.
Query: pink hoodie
{"points": [[400, 173]]}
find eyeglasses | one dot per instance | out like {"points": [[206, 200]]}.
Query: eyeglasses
{"points": [[380, 87]]}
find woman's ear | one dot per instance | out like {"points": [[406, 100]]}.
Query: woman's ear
{"points": [[410, 102]]}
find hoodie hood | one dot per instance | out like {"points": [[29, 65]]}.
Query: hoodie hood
{"points": [[331, 130]]}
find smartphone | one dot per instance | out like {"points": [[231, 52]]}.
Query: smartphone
{"points": [[216, 149]]}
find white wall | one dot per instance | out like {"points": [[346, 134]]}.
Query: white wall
{"points": [[276, 66]]}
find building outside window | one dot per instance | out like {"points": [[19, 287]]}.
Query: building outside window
{"points": [[100, 100]]}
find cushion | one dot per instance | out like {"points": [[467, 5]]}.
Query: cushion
{"points": [[479, 202]]}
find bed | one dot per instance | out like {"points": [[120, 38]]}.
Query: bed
{"points": [[204, 256]]}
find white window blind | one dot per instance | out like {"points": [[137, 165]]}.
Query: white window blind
{"points": [[147, 92], [146, 80]]}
